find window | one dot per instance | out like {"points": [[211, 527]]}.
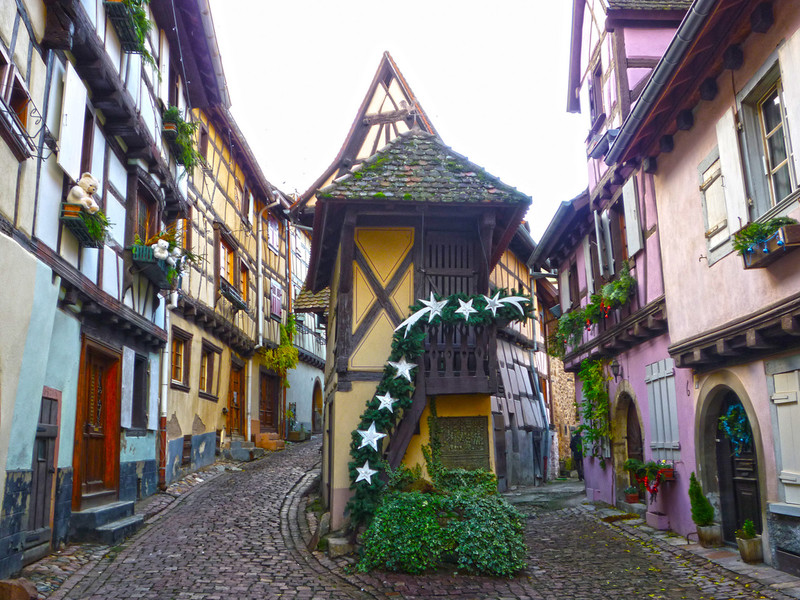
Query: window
{"points": [[273, 235], [244, 280], [227, 263], [146, 217], [209, 371], [783, 385], [15, 106], [141, 387], [202, 146], [181, 356], [663, 408], [596, 93]]}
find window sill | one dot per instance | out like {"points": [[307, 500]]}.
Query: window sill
{"points": [[207, 396], [783, 508], [782, 209], [135, 432], [177, 385]]}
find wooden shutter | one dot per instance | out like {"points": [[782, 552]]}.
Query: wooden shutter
{"points": [[608, 242], [163, 65], [633, 229], [587, 263], [663, 408], [73, 112], [152, 405], [126, 401], [601, 244], [789, 59], [716, 215], [730, 159], [563, 289], [787, 406]]}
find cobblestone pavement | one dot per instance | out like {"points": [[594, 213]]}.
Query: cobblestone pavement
{"points": [[242, 535]]}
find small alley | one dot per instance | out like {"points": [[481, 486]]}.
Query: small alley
{"points": [[241, 532]]}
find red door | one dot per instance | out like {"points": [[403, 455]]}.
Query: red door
{"points": [[96, 458], [269, 392], [236, 400]]}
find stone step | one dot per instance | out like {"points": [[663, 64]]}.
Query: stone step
{"points": [[274, 445], [116, 531], [92, 518], [242, 444]]}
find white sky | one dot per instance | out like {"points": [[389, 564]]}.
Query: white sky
{"points": [[490, 75]]}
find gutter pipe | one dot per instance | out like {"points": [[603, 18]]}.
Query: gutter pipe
{"points": [[664, 70]]}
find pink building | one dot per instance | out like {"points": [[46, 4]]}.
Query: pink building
{"points": [[599, 239], [717, 127]]}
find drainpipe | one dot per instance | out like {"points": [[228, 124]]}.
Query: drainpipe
{"points": [[165, 375]]}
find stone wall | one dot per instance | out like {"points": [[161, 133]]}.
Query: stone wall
{"points": [[562, 396]]}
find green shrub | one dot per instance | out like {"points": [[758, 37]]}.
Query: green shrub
{"points": [[406, 535], [489, 534], [747, 531], [702, 511], [480, 480], [414, 532]]}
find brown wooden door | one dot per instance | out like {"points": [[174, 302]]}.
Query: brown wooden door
{"points": [[44, 469], [269, 392], [634, 436], [236, 400], [738, 480], [96, 460]]}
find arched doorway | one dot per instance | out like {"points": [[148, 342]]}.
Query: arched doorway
{"points": [[316, 404], [737, 465], [626, 435]]}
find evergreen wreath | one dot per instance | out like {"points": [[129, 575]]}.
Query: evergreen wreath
{"points": [[395, 391], [736, 427]]}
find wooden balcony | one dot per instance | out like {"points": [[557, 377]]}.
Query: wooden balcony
{"points": [[460, 359]]}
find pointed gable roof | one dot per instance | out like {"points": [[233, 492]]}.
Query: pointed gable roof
{"points": [[417, 167], [388, 109]]}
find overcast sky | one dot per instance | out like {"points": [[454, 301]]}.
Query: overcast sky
{"points": [[491, 77]]}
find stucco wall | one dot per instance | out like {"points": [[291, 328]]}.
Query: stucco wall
{"points": [[301, 392]]}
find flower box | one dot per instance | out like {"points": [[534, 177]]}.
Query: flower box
{"points": [[667, 474], [155, 269], [121, 19], [786, 239], [632, 498], [170, 131], [232, 294], [74, 218]]}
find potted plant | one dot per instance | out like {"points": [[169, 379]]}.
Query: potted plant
{"points": [[90, 229], [647, 474], [631, 494], [169, 123], [708, 533], [761, 244], [129, 19], [667, 470], [180, 134], [160, 258], [749, 543]]}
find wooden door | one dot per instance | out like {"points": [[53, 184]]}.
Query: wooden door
{"points": [[500, 451], [96, 459], [633, 436], [43, 477], [269, 393], [236, 400], [450, 264], [738, 480]]}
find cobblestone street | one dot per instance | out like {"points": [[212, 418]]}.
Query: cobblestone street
{"points": [[242, 535]]}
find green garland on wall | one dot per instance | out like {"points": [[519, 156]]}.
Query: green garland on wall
{"points": [[594, 408], [395, 391]]}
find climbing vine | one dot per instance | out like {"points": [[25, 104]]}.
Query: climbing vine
{"points": [[284, 357], [393, 395], [594, 408]]}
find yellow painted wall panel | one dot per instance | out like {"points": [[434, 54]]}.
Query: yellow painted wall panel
{"points": [[384, 248], [403, 296], [363, 296], [373, 351]]}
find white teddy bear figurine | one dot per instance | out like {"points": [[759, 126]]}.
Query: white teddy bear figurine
{"points": [[160, 249], [82, 193]]}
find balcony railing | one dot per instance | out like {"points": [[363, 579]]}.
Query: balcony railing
{"points": [[309, 340], [460, 359]]}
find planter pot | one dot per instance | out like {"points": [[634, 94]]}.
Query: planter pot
{"points": [[170, 131], [632, 498], [657, 520], [155, 269], [751, 550], [72, 216], [668, 474], [710, 536], [298, 436], [786, 239]]}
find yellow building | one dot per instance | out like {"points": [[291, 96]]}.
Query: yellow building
{"points": [[412, 218]]}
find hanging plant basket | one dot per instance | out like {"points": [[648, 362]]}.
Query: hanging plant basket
{"points": [[232, 294], [74, 218], [155, 269], [170, 131], [761, 255], [121, 19]]}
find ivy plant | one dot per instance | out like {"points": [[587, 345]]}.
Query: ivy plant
{"points": [[594, 408], [285, 356]]}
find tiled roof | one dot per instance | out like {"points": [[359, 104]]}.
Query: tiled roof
{"points": [[650, 4], [308, 301], [417, 167]]}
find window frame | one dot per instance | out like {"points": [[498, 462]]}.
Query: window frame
{"points": [[208, 376], [273, 234], [13, 127], [183, 336], [140, 393]]}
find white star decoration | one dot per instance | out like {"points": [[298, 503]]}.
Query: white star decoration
{"points": [[515, 300], [370, 437], [493, 304], [365, 473], [403, 368], [435, 307], [386, 402], [465, 308]]}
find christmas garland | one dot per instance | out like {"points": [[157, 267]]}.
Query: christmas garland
{"points": [[395, 391]]}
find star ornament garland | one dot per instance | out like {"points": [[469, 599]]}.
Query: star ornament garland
{"points": [[455, 309]]}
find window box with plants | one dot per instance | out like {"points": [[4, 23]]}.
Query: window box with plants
{"points": [[631, 494], [160, 259], [761, 244], [180, 135], [232, 295], [90, 229], [129, 19]]}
